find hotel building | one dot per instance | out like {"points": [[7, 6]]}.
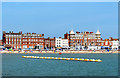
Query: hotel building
{"points": [[61, 43], [112, 43], [27, 40], [14, 39], [30, 40], [83, 40]]}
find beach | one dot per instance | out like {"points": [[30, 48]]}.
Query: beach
{"points": [[80, 52]]}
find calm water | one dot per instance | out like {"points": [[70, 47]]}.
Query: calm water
{"points": [[14, 65]]}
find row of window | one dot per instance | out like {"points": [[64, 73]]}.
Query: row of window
{"points": [[13, 39], [32, 37], [13, 42], [49, 41], [33, 43], [33, 40], [13, 35], [83, 38]]}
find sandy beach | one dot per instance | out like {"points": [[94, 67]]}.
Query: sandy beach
{"points": [[80, 52]]}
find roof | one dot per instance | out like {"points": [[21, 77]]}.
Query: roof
{"points": [[72, 32], [98, 32]]}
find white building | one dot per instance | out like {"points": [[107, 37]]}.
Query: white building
{"points": [[115, 44], [60, 42]]}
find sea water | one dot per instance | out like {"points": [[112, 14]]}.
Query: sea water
{"points": [[15, 65]]}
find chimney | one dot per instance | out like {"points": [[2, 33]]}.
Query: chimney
{"points": [[42, 34], [21, 32], [91, 32], [77, 32]]}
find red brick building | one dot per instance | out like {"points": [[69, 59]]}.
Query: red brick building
{"points": [[30, 40], [27, 40], [14, 39], [49, 43], [110, 43]]}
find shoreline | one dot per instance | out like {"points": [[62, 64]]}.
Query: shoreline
{"points": [[64, 52]]}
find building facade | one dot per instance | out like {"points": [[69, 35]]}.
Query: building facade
{"points": [[83, 40], [61, 43], [30, 40], [49, 43], [71, 40], [110, 43], [13, 39], [27, 40]]}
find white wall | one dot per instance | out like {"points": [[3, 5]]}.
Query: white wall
{"points": [[94, 47], [65, 43], [115, 44], [59, 42]]}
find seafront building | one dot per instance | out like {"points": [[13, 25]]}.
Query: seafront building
{"points": [[27, 40], [14, 39], [72, 40], [111, 43], [84, 40], [90, 41], [49, 43], [61, 43]]}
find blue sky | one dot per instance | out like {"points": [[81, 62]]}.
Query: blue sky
{"points": [[54, 19]]}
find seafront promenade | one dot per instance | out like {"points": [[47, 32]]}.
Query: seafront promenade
{"points": [[80, 52]]}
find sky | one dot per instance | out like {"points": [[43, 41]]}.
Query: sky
{"points": [[54, 19]]}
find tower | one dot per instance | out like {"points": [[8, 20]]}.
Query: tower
{"points": [[98, 34]]}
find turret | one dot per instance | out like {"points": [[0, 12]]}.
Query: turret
{"points": [[98, 34]]}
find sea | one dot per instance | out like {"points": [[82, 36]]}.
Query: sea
{"points": [[15, 65]]}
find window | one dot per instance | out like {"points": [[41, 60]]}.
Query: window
{"points": [[102, 43], [106, 43]]}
